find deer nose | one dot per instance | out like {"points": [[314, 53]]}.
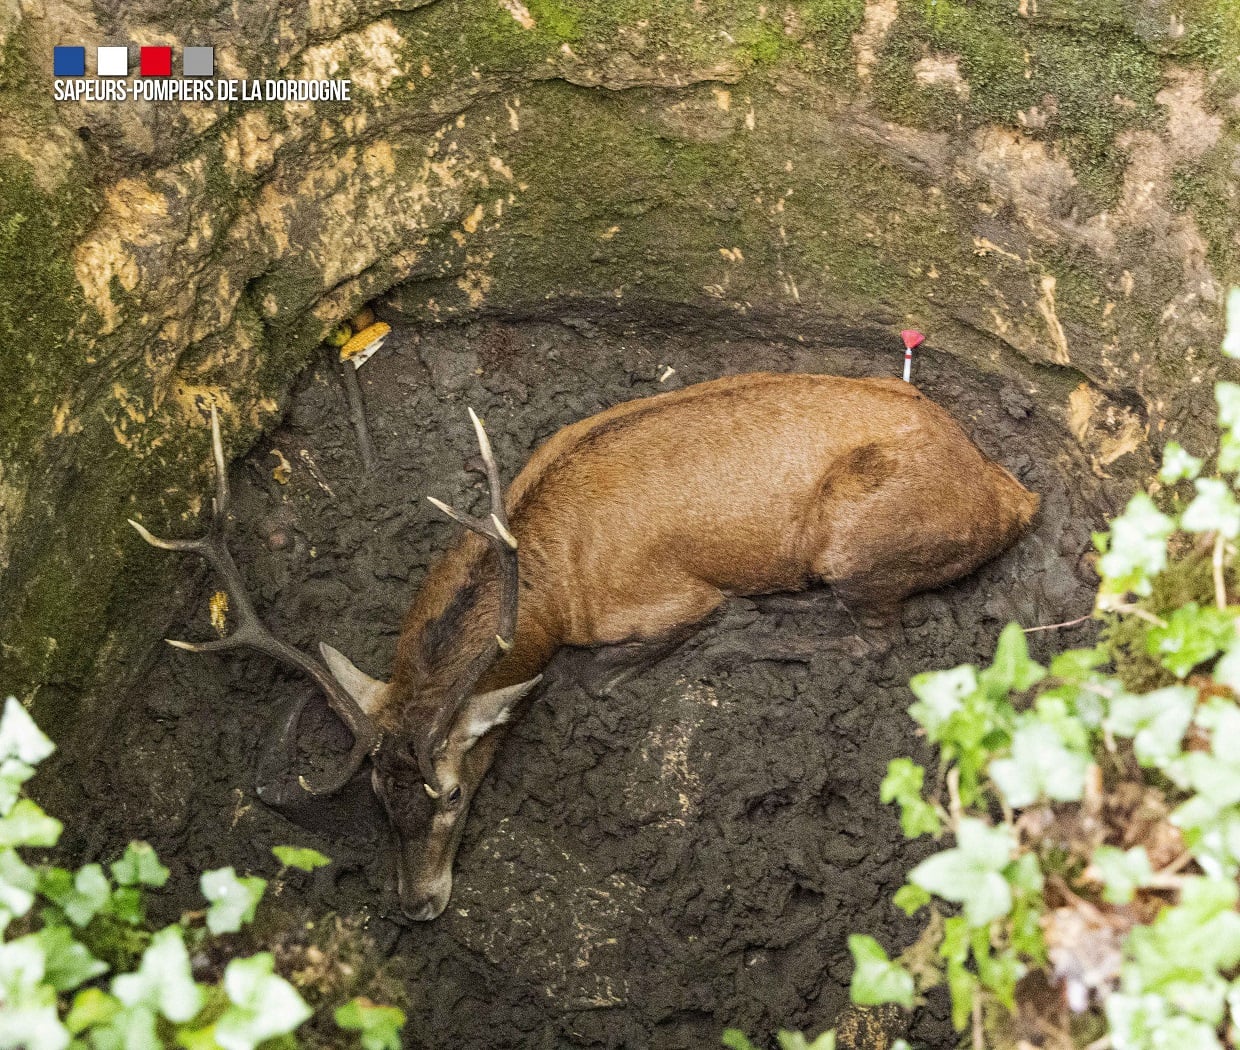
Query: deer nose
{"points": [[423, 909]]}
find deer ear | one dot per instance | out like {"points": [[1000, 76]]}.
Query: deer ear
{"points": [[484, 711], [365, 690]]}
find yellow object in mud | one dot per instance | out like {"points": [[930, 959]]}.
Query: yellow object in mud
{"points": [[219, 612], [339, 335], [366, 342]]}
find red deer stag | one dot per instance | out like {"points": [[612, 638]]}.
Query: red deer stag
{"points": [[633, 526]]}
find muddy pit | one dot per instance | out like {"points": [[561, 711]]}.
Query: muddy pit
{"points": [[643, 874]]}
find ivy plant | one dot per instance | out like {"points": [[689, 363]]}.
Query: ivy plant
{"points": [[80, 968]]}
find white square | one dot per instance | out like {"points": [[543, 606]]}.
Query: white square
{"points": [[113, 61]]}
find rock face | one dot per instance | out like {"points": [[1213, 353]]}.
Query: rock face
{"points": [[1049, 190]]}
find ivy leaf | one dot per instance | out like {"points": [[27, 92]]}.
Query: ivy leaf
{"points": [[20, 738], [1190, 941], [1041, 766], [910, 899], [1137, 550], [13, 774], [69, 962], [940, 694], [27, 825], [264, 1006], [139, 866], [18, 882], [971, 874], [1155, 721], [1122, 873], [1178, 465], [303, 858], [91, 1007], [380, 1025], [877, 979], [1075, 665], [82, 896], [1012, 670], [29, 1018], [163, 981], [1191, 636], [1213, 509], [1229, 452], [903, 784], [1231, 341], [1228, 397], [733, 1038], [233, 900], [131, 1028]]}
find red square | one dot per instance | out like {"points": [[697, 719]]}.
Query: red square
{"points": [[155, 61]]}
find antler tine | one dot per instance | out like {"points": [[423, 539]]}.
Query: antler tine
{"points": [[495, 530], [251, 632]]}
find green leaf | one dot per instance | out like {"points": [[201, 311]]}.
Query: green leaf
{"points": [[1213, 509], [1075, 665], [1178, 465], [139, 866], [300, 857], [902, 784], [941, 694], [1231, 340], [1192, 636], [1041, 766], [82, 896], [380, 1025], [876, 978], [1012, 670], [909, 898], [1229, 452], [826, 1041], [1228, 397], [163, 981], [1122, 873], [13, 774], [1155, 721], [971, 874], [233, 900], [20, 738], [69, 962], [791, 1040], [18, 882], [91, 1006], [733, 1038], [126, 905], [27, 825], [264, 1006], [1137, 551], [131, 1028]]}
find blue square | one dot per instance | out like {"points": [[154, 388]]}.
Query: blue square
{"points": [[69, 61]]}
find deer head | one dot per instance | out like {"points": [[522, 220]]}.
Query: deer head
{"points": [[425, 775]]}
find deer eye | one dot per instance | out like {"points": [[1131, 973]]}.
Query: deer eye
{"points": [[455, 794]]}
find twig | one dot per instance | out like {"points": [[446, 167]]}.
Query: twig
{"points": [[1056, 626], [357, 413], [1220, 588], [1140, 614], [979, 1042]]}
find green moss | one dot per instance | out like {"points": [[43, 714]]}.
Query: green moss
{"points": [[1087, 87], [42, 302]]}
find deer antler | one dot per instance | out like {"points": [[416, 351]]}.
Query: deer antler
{"points": [[250, 632], [495, 530]]}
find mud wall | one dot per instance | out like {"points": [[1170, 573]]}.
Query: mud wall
{"points": [[1048, 189]]}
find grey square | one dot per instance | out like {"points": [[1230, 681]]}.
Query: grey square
{"points": [[198, 61]]}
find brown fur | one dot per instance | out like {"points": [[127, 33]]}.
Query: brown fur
{"points": [[638, 522]]}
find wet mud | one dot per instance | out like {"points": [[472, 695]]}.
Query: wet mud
{"points": [[641, 873]]}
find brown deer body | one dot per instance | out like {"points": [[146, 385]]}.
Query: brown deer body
{"points": [[632, 526]]}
